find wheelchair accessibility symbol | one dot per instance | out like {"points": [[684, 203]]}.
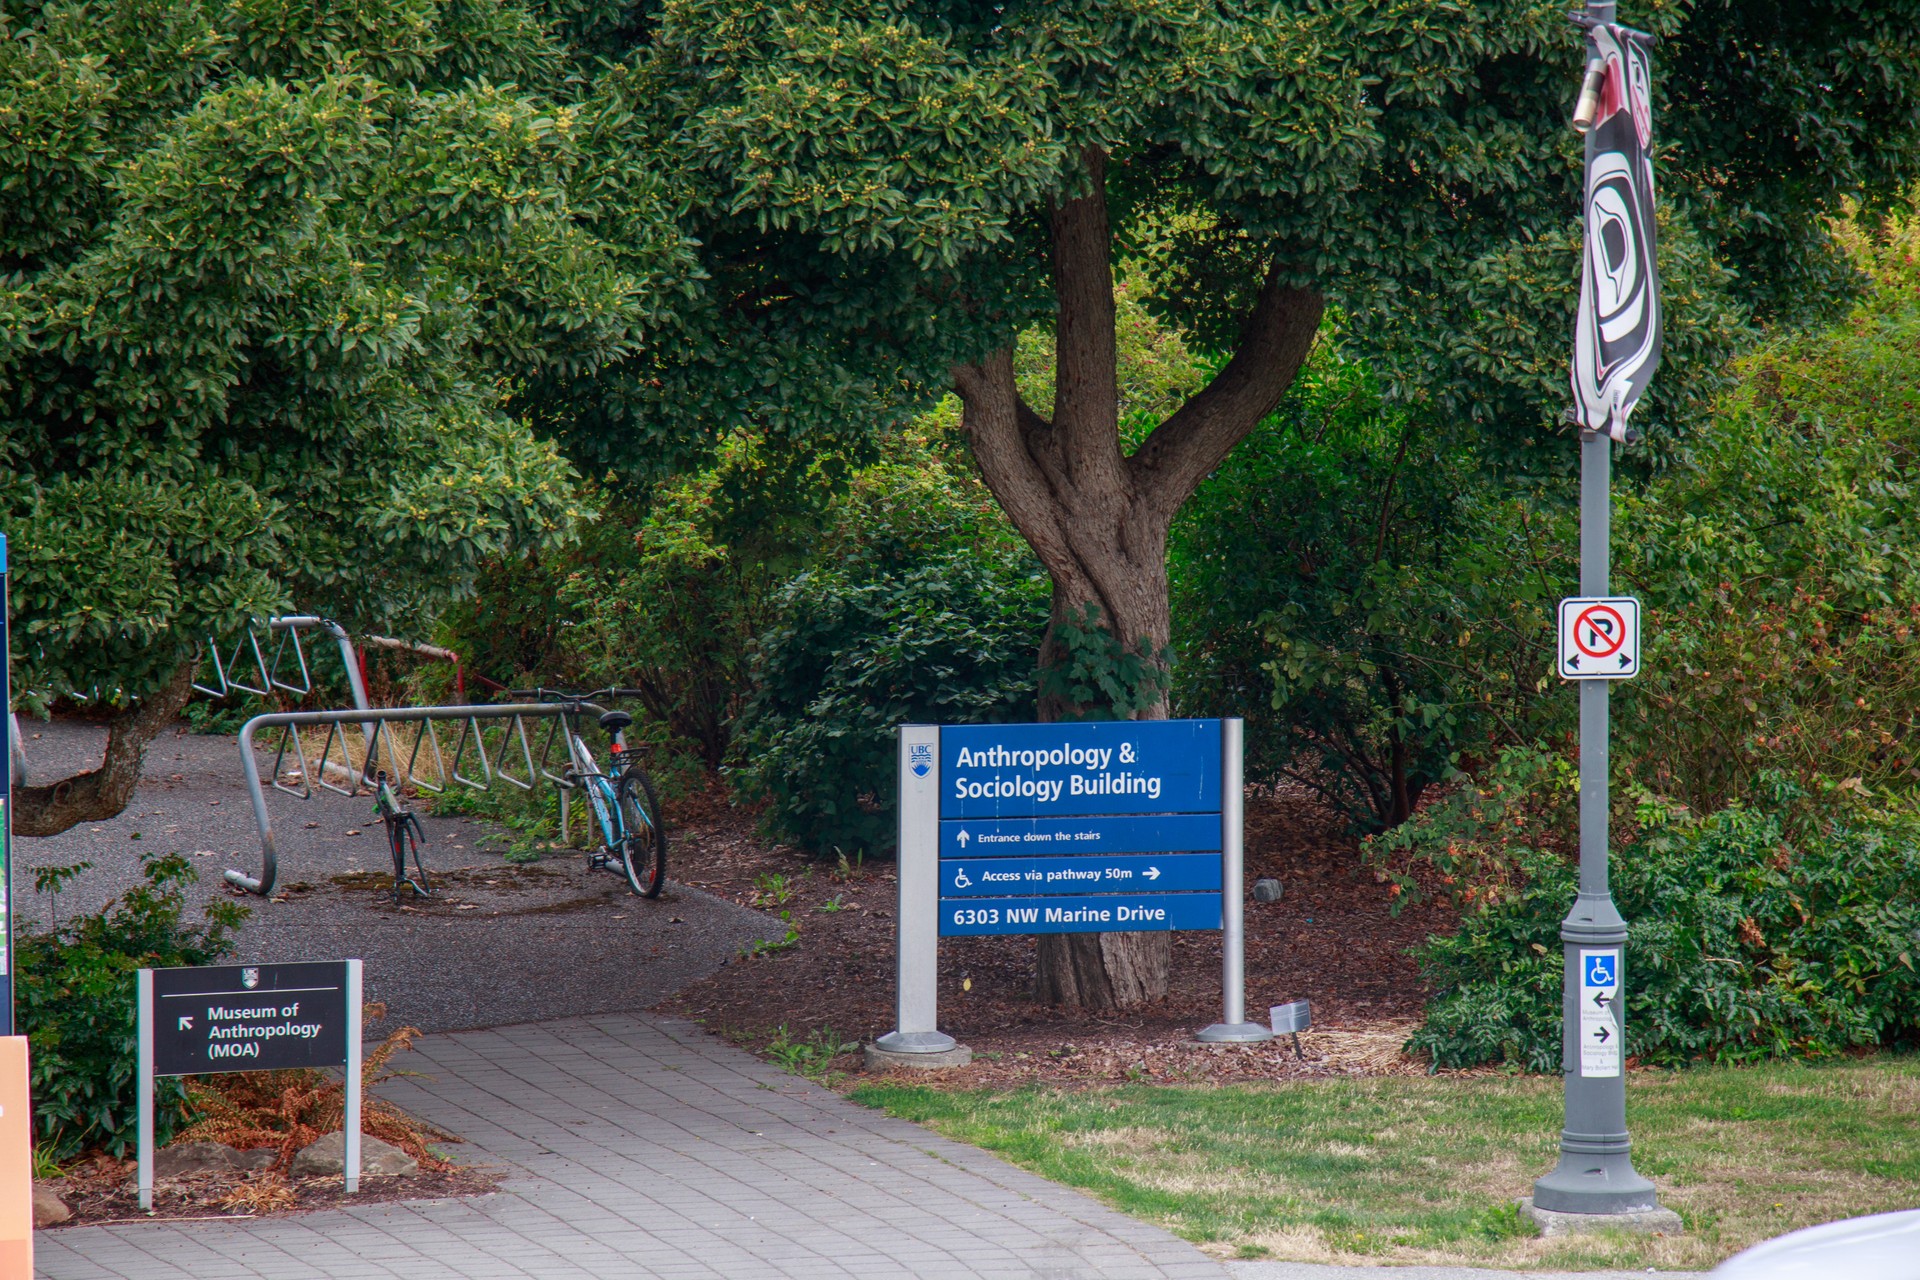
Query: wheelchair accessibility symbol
{"points": [[1602, 970], [960, 880]]}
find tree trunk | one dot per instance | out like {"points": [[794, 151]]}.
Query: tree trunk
{"points": [[1098, 519], [102, 793]]}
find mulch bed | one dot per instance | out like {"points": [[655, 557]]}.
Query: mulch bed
{"points": [[1331, 939], [103, 1191]]}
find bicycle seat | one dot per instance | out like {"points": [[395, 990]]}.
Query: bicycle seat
{"points": [[615, 721]]}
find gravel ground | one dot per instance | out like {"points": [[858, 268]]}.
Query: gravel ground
{"points": [[496, 944]]}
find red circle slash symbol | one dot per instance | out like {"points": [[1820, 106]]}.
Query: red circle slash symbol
{"points": [[1599, 631]]}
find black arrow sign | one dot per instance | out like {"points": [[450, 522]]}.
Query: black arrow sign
{"points": [[1625, 662], [1600, 999], [1602, 1035], [1574, 661]]}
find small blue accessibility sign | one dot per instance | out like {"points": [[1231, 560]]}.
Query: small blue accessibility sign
{"points": [[1602, 970]]}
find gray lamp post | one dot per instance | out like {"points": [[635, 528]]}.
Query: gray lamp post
{"points": [[1617, 346]]}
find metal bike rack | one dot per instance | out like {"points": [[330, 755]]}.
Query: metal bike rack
{"points": [[426, 747]]}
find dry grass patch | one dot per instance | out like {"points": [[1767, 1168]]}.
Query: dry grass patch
{"points": [[1426, 1170]]}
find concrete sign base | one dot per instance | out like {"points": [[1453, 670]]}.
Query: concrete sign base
{"points": [[879, 1059]]}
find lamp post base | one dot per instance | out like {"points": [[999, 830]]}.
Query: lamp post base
{"points": [[1654, 1221], [1595, 1183]]}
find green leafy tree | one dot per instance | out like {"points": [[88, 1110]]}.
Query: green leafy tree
{"points": [[268, 271], [887, 191]]}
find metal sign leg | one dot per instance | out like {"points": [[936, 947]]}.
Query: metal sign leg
{"points": [[350, 1125], [1233, 1027], [916, 920], [143, 1000]]}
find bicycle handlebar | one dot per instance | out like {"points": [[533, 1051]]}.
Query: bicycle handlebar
{"points": [[543, 694]]}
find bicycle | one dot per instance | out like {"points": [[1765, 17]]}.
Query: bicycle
{"points": [[623, 804], [403, 833]]}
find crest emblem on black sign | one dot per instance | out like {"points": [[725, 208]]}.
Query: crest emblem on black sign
{"points": [[1617, 335], [249, 978]]}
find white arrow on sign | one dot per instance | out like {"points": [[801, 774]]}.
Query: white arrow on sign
{"points": [[1151, 873], [186, 1024], [962, 838]]}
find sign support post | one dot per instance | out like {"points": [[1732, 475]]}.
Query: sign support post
{"points": [[916, 918], [1233, 1027], [143, 1052], [350, 1122]]}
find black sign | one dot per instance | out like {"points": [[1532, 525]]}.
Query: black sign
{"points": [[249, 1018]]}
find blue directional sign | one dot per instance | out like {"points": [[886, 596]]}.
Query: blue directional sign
{"points": [[1025, 837], [1149, 872], [1111, 827], [1094, 913], [1060, 770]]}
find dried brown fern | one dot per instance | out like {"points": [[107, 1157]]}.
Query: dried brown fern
{"points": [[286, 1110]]}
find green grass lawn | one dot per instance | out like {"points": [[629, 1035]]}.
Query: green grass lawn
{"points": [[1427, 1170]]}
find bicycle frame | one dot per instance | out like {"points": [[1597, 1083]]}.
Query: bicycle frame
{"points": [[598, 787]]}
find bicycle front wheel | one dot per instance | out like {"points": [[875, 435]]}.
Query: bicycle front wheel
{"points": [[644, 841]]}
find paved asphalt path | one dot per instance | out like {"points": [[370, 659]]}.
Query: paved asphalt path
{"points": [[496, 944]]}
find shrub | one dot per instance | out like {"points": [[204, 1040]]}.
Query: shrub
{"points": [[922, 605], [74, 987], [1353, 582], [855, 656], [1744, 944]]}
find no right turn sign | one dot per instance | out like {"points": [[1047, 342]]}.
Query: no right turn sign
{"points": [[1599, 638]]}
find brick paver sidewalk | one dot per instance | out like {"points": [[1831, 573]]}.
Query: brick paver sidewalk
{"points": [[637, 1147]]}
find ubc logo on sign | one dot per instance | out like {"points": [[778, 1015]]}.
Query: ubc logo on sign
{"points": [[1601, 971], [920, 758]]}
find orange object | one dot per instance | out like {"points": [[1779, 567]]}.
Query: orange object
{"points": [[16, 1160]]}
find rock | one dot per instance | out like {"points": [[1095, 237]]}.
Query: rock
{"points": [[193, 1157], [258, 1158], [328, 1155], [1266, 891], [48, 1208]]}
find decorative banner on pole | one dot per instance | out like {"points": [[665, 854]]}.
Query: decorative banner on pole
{"points": [[1616, 345]]}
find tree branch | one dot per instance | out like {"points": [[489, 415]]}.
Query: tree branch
{"points": [[1017, 456], [1273, 345], [102, 793]]}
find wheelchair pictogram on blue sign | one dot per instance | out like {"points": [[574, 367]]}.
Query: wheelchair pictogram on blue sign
{"points": [[1602, 970]]}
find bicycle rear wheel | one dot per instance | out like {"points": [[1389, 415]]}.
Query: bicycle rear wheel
{"points": [[644, 844]]}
